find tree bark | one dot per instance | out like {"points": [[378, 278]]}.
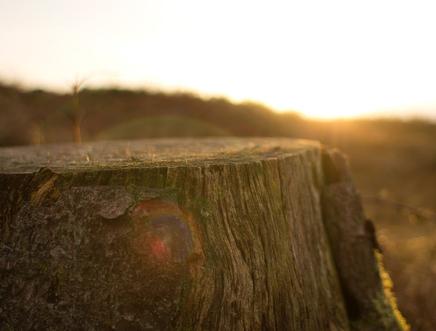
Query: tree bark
{"points": [[369, 302], [224, 234]]}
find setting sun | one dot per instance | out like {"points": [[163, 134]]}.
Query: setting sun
{"points": [[324, 59]]}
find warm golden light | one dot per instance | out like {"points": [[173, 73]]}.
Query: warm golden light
{"points": [[325, 59]]}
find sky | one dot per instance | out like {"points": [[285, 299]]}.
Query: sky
{"points": [[326, 59]]}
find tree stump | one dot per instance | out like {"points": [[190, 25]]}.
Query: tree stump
{"points": [[212, 234]]}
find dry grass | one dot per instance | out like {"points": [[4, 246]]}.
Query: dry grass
{"points": [[394, 162], [396, 174]]}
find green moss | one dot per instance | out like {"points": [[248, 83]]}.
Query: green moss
{"points": [[387, 303]]}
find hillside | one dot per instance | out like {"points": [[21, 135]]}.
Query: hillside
{"points": [[39, 116]]}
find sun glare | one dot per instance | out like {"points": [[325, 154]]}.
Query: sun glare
{"points": [[324, 59]]}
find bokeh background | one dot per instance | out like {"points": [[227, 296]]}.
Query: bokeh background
{"points": [[360, 77]]}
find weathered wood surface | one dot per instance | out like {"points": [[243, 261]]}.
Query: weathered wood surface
{"points": [[206, 234], [357, 254]]}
